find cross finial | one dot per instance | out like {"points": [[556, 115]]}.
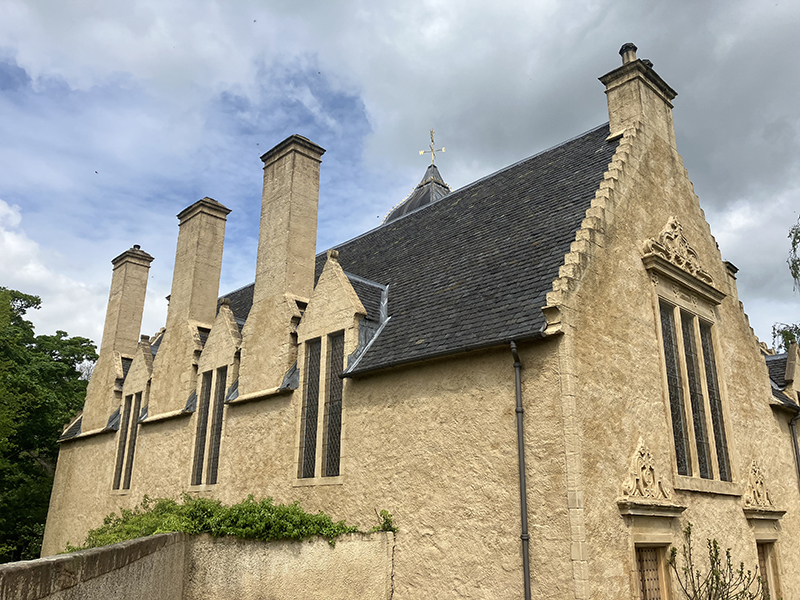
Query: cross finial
{"points": [[432, 150]]}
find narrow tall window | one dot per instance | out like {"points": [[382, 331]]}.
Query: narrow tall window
{"points": [[202, 428], [123, 440], [333, 405], [216, 425], [701, 447], [679, 432], [133, 426], [717, 421], [696, 396], [308, 419], [649, 566]]}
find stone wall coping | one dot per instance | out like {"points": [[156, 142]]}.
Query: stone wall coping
{"points": [[260, 395], [87, 434], [32, 579], [181, 412]]}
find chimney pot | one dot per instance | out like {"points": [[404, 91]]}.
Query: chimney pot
{"points": [[628, 52], [137, 247], [145, 338]]}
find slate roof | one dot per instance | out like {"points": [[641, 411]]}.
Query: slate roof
{"points": [[472, 270], [126, 366], [776, 364], [369, 292], [241, 302]]}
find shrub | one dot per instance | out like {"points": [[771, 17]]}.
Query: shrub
{"points": [[249, 519]]}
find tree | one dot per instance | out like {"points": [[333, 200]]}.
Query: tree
{"points": [[40, 390], [722, 581], [794, 260], [783, 334]]}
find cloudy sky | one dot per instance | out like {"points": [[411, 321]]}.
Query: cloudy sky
{"points": [[115, 116]]}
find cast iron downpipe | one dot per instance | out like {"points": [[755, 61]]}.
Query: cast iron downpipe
{"points": [[793, 427], [523, 486]]}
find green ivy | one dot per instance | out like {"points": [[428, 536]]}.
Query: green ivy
{"points": [[249, 519]]}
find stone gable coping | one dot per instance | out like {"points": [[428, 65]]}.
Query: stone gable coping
{"points": [[590, 235]]}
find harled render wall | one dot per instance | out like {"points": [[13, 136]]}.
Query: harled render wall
{"points": [[612, 350], [434, 444]]}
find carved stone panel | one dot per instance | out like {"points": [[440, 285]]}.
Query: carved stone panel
{"points": [[672, 246], [643, 481], [756, 493]]}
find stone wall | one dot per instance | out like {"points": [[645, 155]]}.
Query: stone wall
{"points": [[358, 566], [176, 566], [151, 567]]}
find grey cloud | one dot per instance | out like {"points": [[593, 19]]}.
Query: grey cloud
{"points": [[497, 83]]}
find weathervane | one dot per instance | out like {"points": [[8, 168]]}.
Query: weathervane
{"points": [[433, 150]]}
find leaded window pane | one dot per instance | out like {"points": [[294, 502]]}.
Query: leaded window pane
{"points": [[696, 396], [715, 404], [333, 406], [133, 424], [123, 439], [202, 429], [308, 443], [216, 425], [679, 432]]}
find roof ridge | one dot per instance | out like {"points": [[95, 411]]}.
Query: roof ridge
{"points": [[467, 186], [364, 280], [531, 157]]}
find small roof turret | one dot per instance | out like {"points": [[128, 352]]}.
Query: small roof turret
{"points": [[431, 189]]}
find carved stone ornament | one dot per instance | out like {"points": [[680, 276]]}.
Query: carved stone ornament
{"points": [[756, 493], [672, 246], [643, 482]]}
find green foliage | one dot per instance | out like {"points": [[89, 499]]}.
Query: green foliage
{"points": [[793, 259], [40, 390], [386, 524], [249, 519], [721, 582], [784, 335]]}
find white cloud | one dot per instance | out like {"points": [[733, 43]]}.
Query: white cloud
{"points": [[67, 304]]}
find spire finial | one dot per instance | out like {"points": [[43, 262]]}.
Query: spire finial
{"points": [[432, 150]]}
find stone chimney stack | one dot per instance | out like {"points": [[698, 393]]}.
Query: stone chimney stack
{"points": [[287, 242], [792, 374], [192, 302], [120, 335], [637, 94]]}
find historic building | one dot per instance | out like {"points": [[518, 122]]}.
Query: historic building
{"points": [[555, 352]]}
